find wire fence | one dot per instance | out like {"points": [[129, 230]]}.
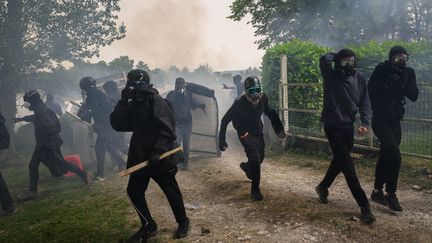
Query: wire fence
{"points": [[300, 108]]}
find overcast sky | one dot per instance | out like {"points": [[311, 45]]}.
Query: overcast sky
{"points": [[184, 33]]}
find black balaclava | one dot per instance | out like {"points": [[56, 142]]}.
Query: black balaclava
{"points": [[180, 85], [32, 97], [110, 87], [347, 70]]}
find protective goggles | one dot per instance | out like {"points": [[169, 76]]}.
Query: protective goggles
{"points": [[345, 63], [254, 90], [401, 58]]}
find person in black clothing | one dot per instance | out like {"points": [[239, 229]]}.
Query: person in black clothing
{"points": [[48, 142], [144, 112], [245, 114], [239, 86], [53, 105], [388, 85], [5, 198], [97, 106], [181, 102], [345, 93], [111, 89]]}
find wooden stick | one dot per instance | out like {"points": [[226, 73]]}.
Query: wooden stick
{"points": [[76, 117], [145, 163]]}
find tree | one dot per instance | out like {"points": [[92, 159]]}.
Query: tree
{"points": [[122, 64], [38, 35], [336, 22]]}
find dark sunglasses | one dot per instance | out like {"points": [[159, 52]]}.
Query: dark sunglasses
{"points": [[254, 90]]}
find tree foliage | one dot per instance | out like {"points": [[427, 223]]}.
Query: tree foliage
{"points": [[336, 22]]}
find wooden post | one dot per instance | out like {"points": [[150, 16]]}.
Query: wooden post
{"points": [[283, 92]]}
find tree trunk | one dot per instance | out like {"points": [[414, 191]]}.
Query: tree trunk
{"points": [[11, 73]]}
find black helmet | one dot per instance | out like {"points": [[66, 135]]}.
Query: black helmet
{"points": [[110, 87], [180, 80], [138, 75], [252, 81], [87, 83], [32, 97]]}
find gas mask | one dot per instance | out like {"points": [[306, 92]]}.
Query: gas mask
{"points": [[254, 93], [347, 67], [400, 60], [181, 91], [83, 95]]}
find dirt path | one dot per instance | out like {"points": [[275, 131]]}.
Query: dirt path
{"points": [[290, 211]]}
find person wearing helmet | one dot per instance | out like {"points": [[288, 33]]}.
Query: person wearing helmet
{"points": [[48, 141], [388, 85], [345, 93], [5, 197], [180, 100], [142, 111], [96, 106], [245, 115], [52, 105]]}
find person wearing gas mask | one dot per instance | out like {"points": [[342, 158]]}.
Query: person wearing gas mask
{"points": [[111, 89], [53, 105], [388, 85], [5, 198], [48, 141], [180, 100], [96, 106], [345, 93], [239, 87], [245, 115], [142, 111]]}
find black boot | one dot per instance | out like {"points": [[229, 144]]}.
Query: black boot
{"points": [[367, 215], [322, 194], [393, 202], [182, 229], [256, 195], [245, 167], [379, 197], [143, 233]]}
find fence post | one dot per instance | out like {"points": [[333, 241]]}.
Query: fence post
{"points": [[283, 92]]}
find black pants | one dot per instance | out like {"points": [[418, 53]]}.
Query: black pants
{"points": [[53, 159], [105, 142], [5, 198], [137, 186], [184, 132], [341, 141], [254, 148], [389, 159]]}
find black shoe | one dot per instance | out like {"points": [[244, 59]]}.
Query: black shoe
{"points": [[367, 215], [322, 193], [379, 197], [182, 229], [256, 195], [393, 202], [26, 196], [9, 210], [143, 233], [245, 167]]}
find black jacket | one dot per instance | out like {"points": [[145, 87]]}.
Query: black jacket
{"points": [[388, 88], [153, 125], [98, 107], [54, 107], [246, 118], [47, 127], [4, 134], [182, 105], [344, 96]]}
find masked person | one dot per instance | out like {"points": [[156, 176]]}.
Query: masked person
{"points": [[239, 86], [48, 141], [5, 198], [96, 106], [245, 114], [388, 85], [345, 92], [50, 104], [181, 102], [144, 112], [111, 89]]}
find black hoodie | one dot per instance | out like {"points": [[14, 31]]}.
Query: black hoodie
{"points": [[4, 134], [153, 125]]}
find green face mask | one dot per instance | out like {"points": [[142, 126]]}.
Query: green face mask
{"points": [[254, 90]]}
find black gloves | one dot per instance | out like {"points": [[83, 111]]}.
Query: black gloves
{"points": [[222, 145], [154, 159]]}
